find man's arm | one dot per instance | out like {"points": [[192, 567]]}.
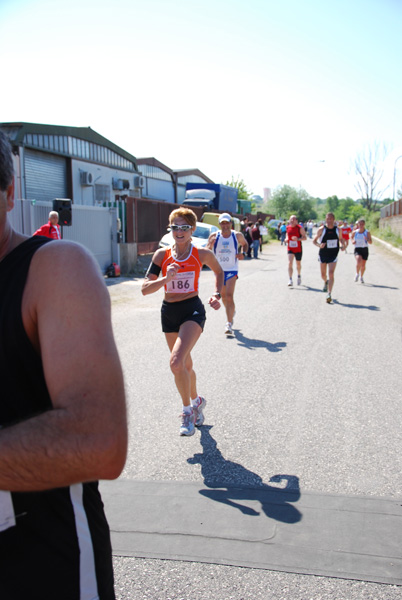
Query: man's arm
{"points": [[211, 241], [208, 258], [66, 314], [241, 240], [317, 237], [303, 234]]}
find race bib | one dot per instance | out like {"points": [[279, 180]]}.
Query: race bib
{"points": [[7, 516], [332, 243], [182, 283], [292, 244]]}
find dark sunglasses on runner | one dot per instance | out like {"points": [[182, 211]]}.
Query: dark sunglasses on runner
{"points": [[180, 227]]}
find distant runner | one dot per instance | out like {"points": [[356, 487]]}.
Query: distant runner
{"points": [[228, 247], [295, 234], [328, 239], [361, 238]]}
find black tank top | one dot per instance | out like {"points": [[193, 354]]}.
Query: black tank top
{"points": [[56, 543], [24, 391]]}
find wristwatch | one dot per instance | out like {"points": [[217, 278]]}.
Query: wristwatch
{"points": [[217, 295]]}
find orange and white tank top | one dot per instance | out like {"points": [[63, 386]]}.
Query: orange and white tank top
{"points": [[187, 277]]}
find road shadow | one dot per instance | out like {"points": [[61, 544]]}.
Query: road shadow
{"points": [[252, 343], [371, 307], [240, 484], [381, 287]]}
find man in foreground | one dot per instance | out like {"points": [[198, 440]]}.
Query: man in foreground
{"points": [[62, 414], [228, 247]]}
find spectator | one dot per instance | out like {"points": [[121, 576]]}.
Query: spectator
{"points": [[52, 228]]}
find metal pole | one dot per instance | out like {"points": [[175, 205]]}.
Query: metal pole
{"points": [[393, 188]]}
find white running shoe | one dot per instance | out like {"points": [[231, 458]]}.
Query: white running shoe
{"points": [[290, 282], [198, 411], [361, 280], [187, 423], [329, 298], [299, 280], [229, 329], [357, 277]]}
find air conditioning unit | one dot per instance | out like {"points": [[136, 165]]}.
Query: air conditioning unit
{"points": [[87, 178], [117, 183], [139, 181]]}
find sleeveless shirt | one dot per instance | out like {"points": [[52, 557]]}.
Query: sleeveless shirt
{"points": [[226, 249], [54, 543], [187, 278]]}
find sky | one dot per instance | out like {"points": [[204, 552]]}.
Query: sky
{"points": [[271, 92]]}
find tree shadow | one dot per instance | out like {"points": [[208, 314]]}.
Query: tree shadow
{"points": [[252, 343], [371, 307], [241, 485]]}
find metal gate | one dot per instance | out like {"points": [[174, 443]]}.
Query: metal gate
{"points": [[45, 176]]}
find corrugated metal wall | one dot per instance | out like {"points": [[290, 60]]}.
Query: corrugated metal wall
{"points": [[45, 176], [92, 226]]}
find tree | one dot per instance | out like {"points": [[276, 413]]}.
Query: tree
{"points": [[368, 170], [243, 193], [287, 201]]}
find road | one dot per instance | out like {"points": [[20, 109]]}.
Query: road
{"points": [[303, 388]]}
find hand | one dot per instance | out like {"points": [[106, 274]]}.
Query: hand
{"points": [[240, 256], [214, 303], [171, 271]]}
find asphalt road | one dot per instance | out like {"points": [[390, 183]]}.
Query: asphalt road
{"points": [[304, 388]]}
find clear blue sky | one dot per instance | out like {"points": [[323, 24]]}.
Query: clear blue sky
{"points": [[260, 89]]}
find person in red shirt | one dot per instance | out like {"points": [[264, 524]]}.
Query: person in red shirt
{"points": [[295, 234], [346, 231], [52, 228]]}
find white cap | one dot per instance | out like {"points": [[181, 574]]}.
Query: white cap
{"points": [[225, 217]]}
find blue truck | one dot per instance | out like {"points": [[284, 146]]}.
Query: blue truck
{"points": [[212, 196]]}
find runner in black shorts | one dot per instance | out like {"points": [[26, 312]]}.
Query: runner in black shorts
{"points": [[182, 313], [361, 238], [328, 239]]}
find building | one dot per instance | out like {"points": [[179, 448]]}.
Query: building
{"points": [[53, 161]]}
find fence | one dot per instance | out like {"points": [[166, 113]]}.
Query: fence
{"points": [[391, 210], [92, 226]]}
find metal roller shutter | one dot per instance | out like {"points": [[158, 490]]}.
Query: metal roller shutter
{"points": [[45, 176]]}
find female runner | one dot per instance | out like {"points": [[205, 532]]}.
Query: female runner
{"points": [[361, 238], [183, 314]]}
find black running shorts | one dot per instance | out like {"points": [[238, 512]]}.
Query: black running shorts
{"points": [[363, 252], [174, 314]]}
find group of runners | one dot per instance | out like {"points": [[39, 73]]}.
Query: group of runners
{"points": [[330, 238], [177, 269]]}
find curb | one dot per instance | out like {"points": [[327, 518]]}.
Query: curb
{"points": [[388, 246]]}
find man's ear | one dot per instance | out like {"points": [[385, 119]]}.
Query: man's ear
{"points": [[10, 196]]}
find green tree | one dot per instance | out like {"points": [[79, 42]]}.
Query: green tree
{"points": [[243, 193], [287, 201], [332, 204]]}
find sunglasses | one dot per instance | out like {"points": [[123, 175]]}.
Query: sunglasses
{"points": [[180, 227]]}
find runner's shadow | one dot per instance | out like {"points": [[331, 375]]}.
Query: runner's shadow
{"points": [[382, 287], [371, 307], [251, 343], [241, 485]]}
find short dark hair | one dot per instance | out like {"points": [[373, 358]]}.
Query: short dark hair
{"points": [[6, 162]]}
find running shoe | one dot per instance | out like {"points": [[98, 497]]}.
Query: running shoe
{"points": [[357, 277], [228, 329], [290, 282], [325, 288], [299, 280], [187, 424], [361, 280], [329, 298], [198, 411]]}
